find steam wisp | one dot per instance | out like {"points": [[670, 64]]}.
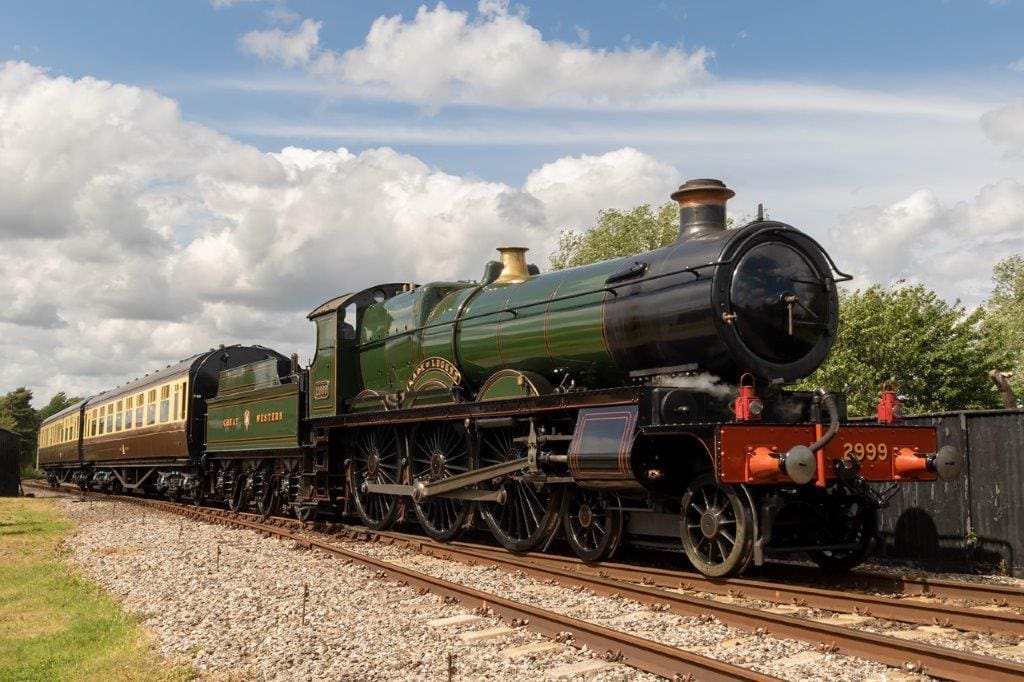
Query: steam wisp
{"points": [[703, 382]]}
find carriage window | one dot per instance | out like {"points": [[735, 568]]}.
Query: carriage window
{"points": [[103, 412], [128, 416], [150, 414], [177, 400], [184, 399], [110, 418], [139, 401], [165, 403], [118, 423]]}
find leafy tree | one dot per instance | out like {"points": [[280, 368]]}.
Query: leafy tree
{"points": [[932, 350], [1002, 323], [618, 233], [56, 404], [16, 409]]}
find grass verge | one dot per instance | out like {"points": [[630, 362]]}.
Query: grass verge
{"points": [[54, 623]]}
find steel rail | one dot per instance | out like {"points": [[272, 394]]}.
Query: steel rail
{"points": [[986, 593], [912, 656], [908, 655], [637, 652], [873, 606]]}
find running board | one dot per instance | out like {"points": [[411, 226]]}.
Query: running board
{"points": [[453, 486]]}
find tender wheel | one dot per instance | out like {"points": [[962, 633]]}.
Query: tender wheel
{"points": [[592, 529], [240, 493], [529, 515], [269, 500], [716, 525], [376, 458], [862, 529], [440, 451], [198, 495]]}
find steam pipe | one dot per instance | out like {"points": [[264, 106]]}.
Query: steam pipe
{"points": [[833, 428]]}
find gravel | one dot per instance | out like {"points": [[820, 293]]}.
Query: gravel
{"points": [[910, 571], [229, 603], [785, 658]]}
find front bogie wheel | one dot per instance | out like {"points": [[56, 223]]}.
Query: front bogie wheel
{"points": [[716, 524], [592, 524]]}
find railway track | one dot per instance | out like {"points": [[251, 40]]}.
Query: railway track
{"points": [[620, 647], [667, 589], [830, 599]]}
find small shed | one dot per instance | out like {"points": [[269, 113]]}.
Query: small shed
{"points": [[10, 463]]}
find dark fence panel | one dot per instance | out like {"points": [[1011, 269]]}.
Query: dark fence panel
{"points": [[977, 519], [10, 464], [997, 486]]}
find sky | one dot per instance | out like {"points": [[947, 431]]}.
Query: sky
{"points": [[178, 175]]}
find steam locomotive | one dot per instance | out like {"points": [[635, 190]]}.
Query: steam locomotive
{"points": [[640, 399]]}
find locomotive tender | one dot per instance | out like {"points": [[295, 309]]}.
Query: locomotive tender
{"points": [[641, 397]]}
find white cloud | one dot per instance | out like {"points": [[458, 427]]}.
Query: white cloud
{"points": [[495, 58], [949, 248], [223, 4], [1017, 65], [290, 48], [574, 186], [132, 237], [1005, 126]]}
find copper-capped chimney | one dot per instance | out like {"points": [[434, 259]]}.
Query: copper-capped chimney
{"points": [[701, 206]]}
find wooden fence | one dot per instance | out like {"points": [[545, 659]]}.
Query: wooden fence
{"points": [[977, 519]]}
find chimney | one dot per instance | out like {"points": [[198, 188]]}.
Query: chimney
{"points": [[513, 265], [701, 207]]}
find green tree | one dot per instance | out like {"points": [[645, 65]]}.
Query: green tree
{"points": [[932, 350], [57, 403], [1002, 322], [618, 233], [16, 409]]}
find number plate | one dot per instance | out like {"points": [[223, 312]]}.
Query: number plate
{"points": [[869, 450], [322, 390]]}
